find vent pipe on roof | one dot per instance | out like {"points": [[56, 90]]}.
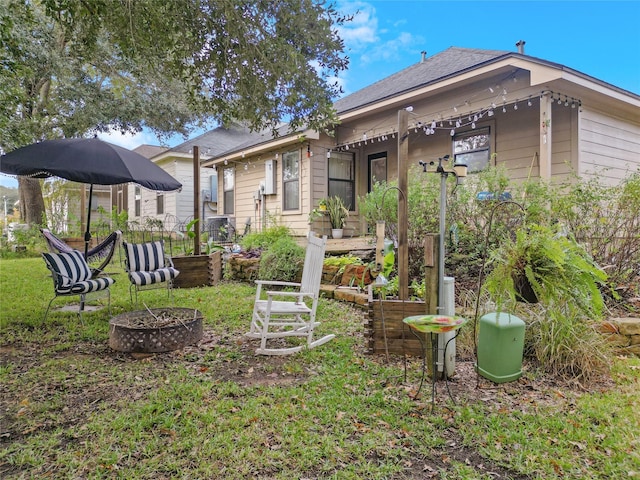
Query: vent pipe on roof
{"points": [[424, 56], [520, 46]]}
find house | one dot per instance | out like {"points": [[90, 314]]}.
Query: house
{"points": [[482, 107], [176, 209]]}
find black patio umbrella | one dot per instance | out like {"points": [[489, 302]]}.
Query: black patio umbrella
{"points": [[87, 160]]}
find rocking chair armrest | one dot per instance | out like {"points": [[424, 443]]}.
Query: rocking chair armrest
{"points": [[277, 283], [278, 293]]}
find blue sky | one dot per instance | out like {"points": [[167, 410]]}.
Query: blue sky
{"points": [[598, 38]]}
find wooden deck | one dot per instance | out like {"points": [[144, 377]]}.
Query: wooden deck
{"points": [[345, 245]]}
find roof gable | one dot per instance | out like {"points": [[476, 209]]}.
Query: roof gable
{"points": [[449, 62]]}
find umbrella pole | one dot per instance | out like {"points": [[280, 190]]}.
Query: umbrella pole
{"points": [[87, 233]]}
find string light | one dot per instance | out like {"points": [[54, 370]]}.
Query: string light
{"points": [[470, 117]]}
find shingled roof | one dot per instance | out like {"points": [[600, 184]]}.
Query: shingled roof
{"points": [[220, 140], [453, 60]]}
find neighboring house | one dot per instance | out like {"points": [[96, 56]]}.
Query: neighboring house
{"points": [[176, 209], [538, 118]]}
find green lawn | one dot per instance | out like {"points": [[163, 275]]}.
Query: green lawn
{"points": [[74, 408]]}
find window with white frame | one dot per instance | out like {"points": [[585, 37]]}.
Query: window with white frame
{"points": [[138, 201], [159, 203], [473, 148], [228, 186], [342, 177], [291, 180]]}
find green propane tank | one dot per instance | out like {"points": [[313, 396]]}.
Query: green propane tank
{"points": [[500, 347]]}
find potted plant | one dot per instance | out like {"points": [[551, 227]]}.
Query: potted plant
{"points": [[544, 264], [338, 214]]}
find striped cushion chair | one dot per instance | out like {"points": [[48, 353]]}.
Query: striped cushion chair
{"points": [[148, 267], [72, 276]]}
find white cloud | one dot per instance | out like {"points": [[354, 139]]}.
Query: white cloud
{"points": [[362, 30], [392, 49], [128, 140]]}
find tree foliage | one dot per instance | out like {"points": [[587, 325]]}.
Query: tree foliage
{"points": [[71, 68]]}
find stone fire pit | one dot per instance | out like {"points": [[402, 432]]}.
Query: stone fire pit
{"points": [[155, 330]]}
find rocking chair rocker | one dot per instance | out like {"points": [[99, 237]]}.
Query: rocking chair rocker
{"points": [[273, 319]]}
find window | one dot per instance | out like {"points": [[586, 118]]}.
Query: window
{"points": [[377, 168], [228, 185], [159, 203], [291, 180], [342, 177], [138, 201], [473, 149]]}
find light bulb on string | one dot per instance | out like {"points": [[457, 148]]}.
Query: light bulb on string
{"points": [[566, 101], [473, 125], [529, 102], [453, 132], [504, 109], [515, 105], [490, 112]]}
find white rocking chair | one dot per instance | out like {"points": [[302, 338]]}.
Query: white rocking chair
{"points": [[274, 319]]}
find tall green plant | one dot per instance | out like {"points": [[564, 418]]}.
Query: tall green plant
{"points": [[337, 211]]}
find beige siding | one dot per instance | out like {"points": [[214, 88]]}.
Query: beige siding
{"points": [[609, 146]]}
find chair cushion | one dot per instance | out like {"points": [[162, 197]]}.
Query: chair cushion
{"points": [[156, 276], [68, 268], [87, 286], [145, 257]]}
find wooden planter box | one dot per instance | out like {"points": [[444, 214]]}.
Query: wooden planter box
{"points": [[198, 270], [78, 242], [400, 339]]}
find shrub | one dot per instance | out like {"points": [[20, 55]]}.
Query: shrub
{"points": [[265, 238], [282, 260]]}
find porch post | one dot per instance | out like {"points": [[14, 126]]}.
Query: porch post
{"points": [[196, 200], [403, 222], [546, 126]]}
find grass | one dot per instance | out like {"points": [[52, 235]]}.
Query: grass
{"points": [[73, 408]]}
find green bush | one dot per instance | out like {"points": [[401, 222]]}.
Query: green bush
{"points": [[282, 260], [265, 238]]}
